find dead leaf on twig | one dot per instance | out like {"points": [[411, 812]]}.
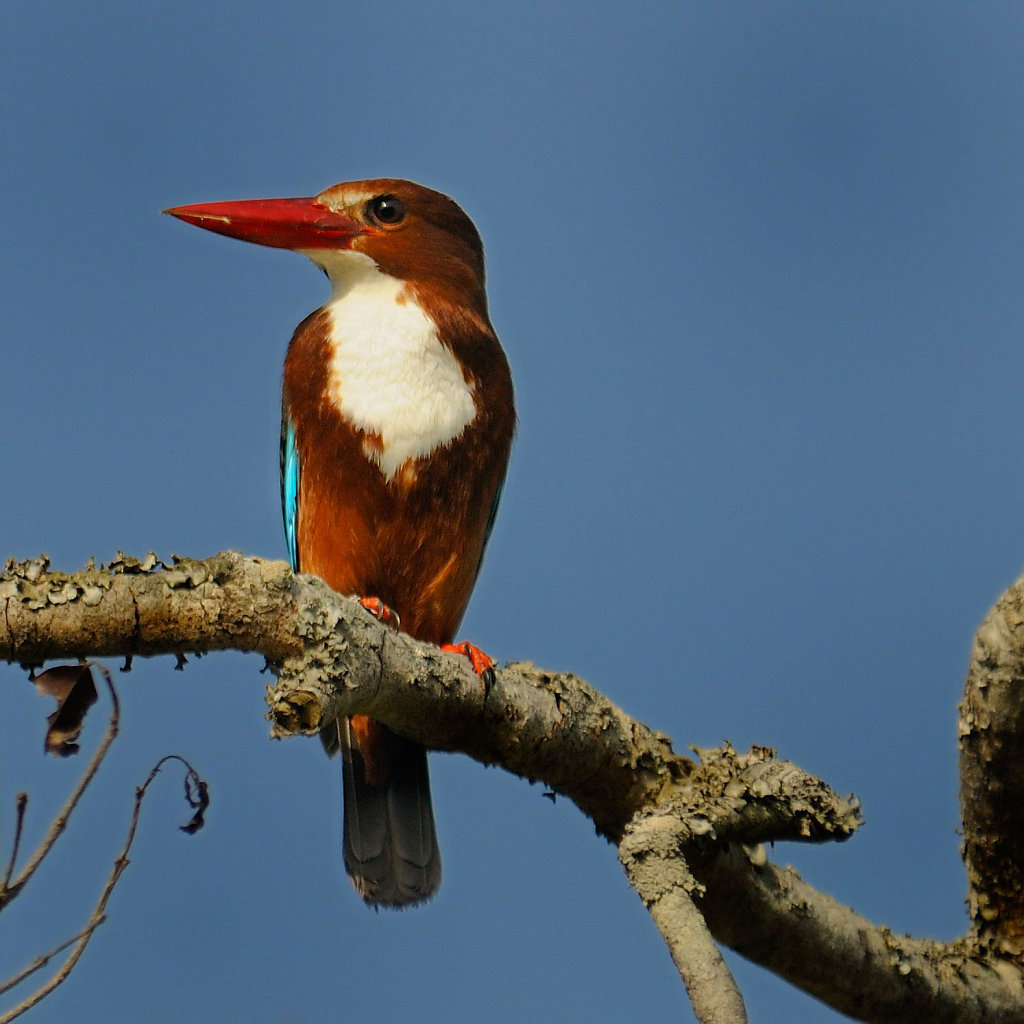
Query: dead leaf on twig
{"points": [[75, 692], [197, 793]]}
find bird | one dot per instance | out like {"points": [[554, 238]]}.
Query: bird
{"points": [[398, 418]]}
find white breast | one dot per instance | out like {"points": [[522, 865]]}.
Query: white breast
{"points": [[389, 373]]}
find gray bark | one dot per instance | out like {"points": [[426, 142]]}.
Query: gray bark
{"points": [[687, 829]]}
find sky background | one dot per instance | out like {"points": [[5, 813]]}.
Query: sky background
{"points": [[757, 268]]}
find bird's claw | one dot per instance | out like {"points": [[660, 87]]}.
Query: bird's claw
{"points": [[379, 610], [482, 663]]}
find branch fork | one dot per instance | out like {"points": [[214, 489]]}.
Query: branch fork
{"points": [[690, 832]]}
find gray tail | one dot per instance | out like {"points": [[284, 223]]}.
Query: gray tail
{"points": [[390, 843]]}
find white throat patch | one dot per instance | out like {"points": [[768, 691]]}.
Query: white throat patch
{"points": [[389, 373]]}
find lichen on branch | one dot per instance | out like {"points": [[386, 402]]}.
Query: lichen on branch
{"points": [[705, 816]]}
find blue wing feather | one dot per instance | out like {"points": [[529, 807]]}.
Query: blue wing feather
{"points": [[290, 495], [290, 489]]}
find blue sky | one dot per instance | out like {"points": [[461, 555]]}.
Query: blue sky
{"points": [[757, 268]]}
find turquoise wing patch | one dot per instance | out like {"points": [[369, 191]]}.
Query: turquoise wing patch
{"points": [[290, 489]]}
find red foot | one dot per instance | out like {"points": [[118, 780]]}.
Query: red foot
{"points": [[480, 661], [482, 664], [379, 610]]}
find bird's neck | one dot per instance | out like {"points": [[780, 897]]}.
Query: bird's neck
{"points": [[389, 373]]}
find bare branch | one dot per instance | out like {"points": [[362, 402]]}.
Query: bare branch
{"points": [[41, 961], [334, 659], [991, 730], [8, 892], [20, 805], [651, 855], [98, 916], [774, 918]]}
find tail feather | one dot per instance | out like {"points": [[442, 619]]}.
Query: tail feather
{"points": [[390, 843]]}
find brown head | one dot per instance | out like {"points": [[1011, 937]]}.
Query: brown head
{"points": [[410, 232]]}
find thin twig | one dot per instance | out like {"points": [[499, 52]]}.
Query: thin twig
{"points": [[61, 820], [42, 961], [20, 803], [99, 912]]}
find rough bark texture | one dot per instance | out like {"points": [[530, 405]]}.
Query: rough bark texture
{"points": [[651, 854], [687, 830], [773, 917], [991, 730], [142, 607]]}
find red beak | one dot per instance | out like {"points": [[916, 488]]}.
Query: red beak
{"points": [[282, 223]]}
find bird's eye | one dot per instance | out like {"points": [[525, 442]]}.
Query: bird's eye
{"points": [[386, 210]]}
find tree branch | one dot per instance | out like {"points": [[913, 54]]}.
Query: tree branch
{"points": [[193, 784], [774, 918], [680, 818], [991, 728], [652, 857]]}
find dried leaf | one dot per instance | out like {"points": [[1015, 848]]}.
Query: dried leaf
{"points": [[197, 793], [73, 688]]}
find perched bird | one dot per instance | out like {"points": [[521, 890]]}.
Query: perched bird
{"points": [[397, 422]]}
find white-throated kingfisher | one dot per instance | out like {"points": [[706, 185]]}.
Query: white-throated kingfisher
{"points": [[397, 422]]}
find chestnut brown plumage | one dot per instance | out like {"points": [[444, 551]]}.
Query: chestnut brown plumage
{"points": [[397, 424]]}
